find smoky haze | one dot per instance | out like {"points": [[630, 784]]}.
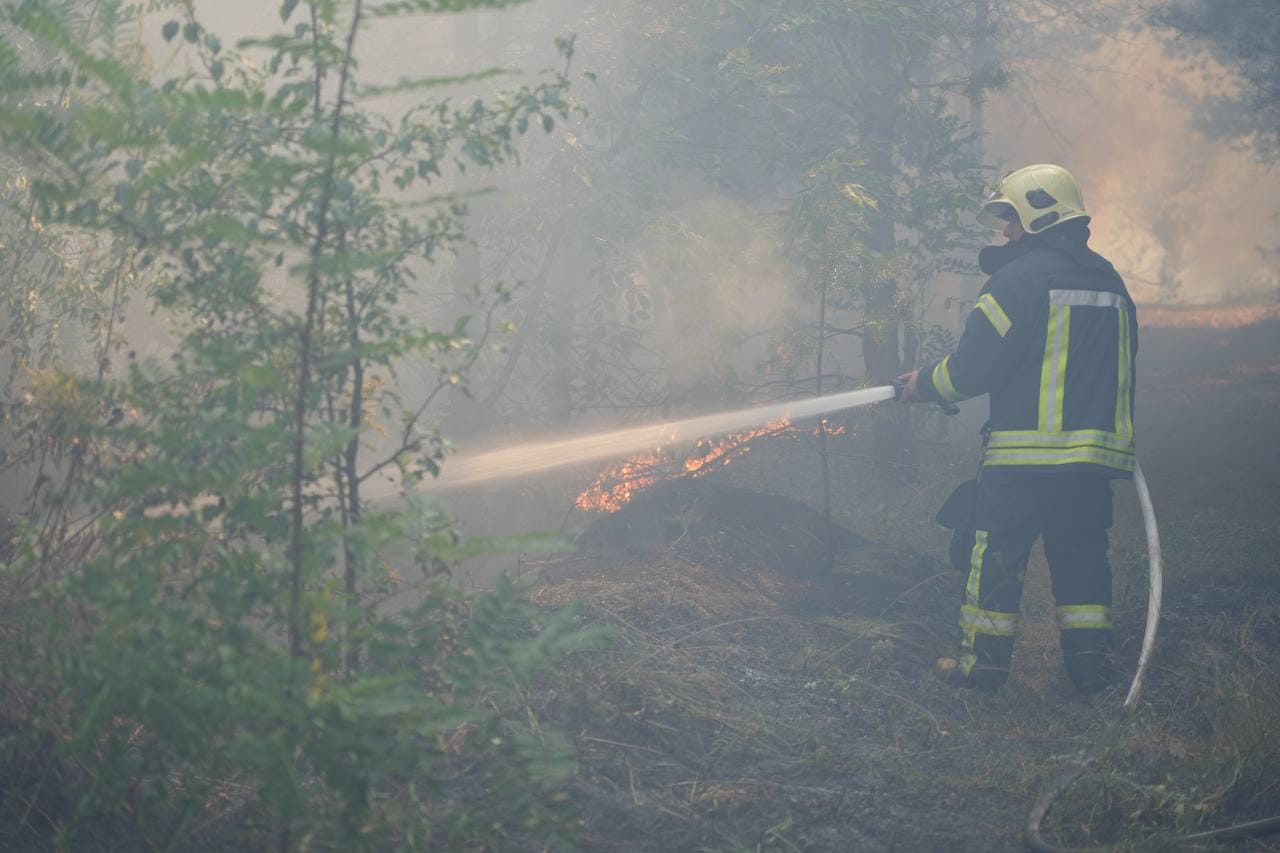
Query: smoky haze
{"points": [[694, 294], [1187, 218]]}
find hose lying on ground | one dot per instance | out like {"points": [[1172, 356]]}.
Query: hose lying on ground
{"points": [[1050, 795], [1035, 841]]}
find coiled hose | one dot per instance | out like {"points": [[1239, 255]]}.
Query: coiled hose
{"points": [[1031, 835]]}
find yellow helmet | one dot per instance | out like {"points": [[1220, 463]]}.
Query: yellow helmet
{"points": [[1041, 197]]}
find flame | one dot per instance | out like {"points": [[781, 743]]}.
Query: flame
{"points": [[1206, 316], [617, 485], [830, 430]]}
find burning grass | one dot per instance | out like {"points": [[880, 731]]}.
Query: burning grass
{"points": [[1207, 316], [618, 484]]}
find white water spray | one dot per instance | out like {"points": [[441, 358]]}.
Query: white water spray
{"points": [[543, 456]]}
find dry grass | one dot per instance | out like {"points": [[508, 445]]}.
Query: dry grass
{"points": [[740, 709], [1204, 754]]}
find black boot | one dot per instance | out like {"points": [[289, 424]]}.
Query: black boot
{"points": [[1087, 655]]}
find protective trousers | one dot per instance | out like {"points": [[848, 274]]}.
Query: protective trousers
{"points": [[1073, 513]]}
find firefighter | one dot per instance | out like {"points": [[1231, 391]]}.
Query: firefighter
{"points": [[1052, 340]]}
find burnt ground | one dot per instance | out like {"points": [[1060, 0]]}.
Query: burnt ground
{"points": [[749, 701]]}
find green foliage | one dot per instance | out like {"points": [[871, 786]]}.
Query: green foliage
{"points": [[63, 290], [213, 616]]}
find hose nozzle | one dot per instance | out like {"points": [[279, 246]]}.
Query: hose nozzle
{"points": [[900, 384]]}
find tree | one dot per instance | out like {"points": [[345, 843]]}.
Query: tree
{"points": [[1244, 36], [194, 604]]}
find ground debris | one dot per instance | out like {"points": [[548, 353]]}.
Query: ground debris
{"points": [[708, 521], [741, 706], [730, 712]]}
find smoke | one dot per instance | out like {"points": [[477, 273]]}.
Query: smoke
{"points": [[1186, 218], [1189, 219], [718, 282]]}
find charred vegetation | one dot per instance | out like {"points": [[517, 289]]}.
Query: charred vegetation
{"points": [[698, 518]]}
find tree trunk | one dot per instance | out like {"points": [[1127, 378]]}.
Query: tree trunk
{"points": [[979, 60], [829, 559], [881, 344]]}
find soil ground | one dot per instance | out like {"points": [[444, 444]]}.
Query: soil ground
{"points": [[747, 704]]}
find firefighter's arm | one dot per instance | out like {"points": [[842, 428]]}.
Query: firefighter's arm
{"points": [[986, 351]]}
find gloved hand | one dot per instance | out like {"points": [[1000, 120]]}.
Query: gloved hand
{"points": [[907, 387]]}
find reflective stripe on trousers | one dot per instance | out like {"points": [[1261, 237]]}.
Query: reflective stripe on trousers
{"points": [[975, 620]]}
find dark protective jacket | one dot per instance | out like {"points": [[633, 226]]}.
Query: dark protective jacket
{"points": [[1052, 338]]}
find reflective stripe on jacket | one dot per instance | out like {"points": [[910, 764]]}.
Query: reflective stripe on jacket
{"points": [[1053, 339]]}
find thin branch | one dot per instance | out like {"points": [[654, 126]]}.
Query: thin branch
{"points": [[304, 356], [111, 320], [832, 331], [351, 514], [411, 423]]}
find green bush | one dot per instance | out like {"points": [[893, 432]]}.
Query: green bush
{"points": [[204, 636]]}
